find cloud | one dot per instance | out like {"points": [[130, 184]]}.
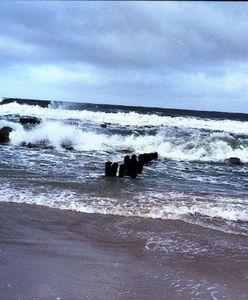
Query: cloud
{"points": [[170, 54]]}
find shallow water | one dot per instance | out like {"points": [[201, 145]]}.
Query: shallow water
{"points": [[190, 180]]}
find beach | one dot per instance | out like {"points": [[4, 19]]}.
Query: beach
{"points": [[50, 253]]}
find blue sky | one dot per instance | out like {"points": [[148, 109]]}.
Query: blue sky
{"points": [[189, 55]]}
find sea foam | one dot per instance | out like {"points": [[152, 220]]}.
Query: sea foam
{"points": [[213, 147], [224, 138], [126, 118]]}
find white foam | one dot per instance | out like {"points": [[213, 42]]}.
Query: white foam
{"points": [[57, 134], [14, 126], [214, 147], [126, 119], [169, 205], [170, 244]]}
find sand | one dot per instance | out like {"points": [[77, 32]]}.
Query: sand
{"points": [[48, 253]]}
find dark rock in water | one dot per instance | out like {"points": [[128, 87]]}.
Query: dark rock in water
{"points": [[67, 146], [132, 167], [134, 158], [126, 159], [155, 155], [108, 169], [44, 144], [29, 120], [147, 157], [29, 145], [234, 160], [114, 169], [111, 169], [4, 134], [122, 170], [125, 150], [139, 167], [105, 124]]}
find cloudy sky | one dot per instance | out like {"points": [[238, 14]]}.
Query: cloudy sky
{"points": [[191, 55]]}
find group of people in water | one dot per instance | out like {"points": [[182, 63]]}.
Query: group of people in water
{"points": [[131, 166]]}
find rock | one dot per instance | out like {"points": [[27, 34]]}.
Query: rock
{"points": [[108, 169], [147, 157], [43, 144], [122, 170], [129, 168], [111, 169], [140, 167], [4, 134], [125, 150], [67, 145], [114, 169], [29, 120], [155, 155], [132, 167], [127, 159], [105, 124], [234, 160]]}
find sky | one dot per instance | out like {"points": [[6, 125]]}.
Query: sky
{"points": [[186, 55]]}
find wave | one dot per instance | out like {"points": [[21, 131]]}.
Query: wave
{"points": [[196, 147], [175, 138], [210, 211], [132, 119], [213, 147], [190, 147]]}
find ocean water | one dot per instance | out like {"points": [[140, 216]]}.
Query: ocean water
{"points": [[190, 181]]}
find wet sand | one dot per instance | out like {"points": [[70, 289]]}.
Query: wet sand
{"points": [[54, 254]]}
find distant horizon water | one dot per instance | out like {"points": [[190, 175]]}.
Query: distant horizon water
{"points": [[44, 102]]}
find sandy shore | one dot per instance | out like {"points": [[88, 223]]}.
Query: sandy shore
{"points": [[53, 254]]}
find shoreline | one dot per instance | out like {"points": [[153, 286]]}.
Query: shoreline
{"points": [[48, 253]]}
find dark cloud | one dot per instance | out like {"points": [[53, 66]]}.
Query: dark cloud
{"points": [[173, 53]]}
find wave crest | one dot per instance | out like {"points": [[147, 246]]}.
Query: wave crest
{"points": [[133, 119]]}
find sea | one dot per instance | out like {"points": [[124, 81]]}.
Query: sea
{"points": [[191, 180]]}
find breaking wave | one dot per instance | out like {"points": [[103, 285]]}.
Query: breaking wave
{"points": [[133, 119], [166, 206], [192, 146]]}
